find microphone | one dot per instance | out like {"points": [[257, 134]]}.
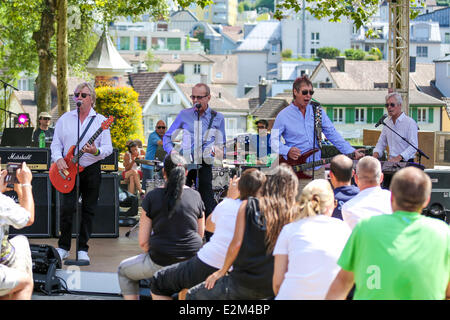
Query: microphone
{"points": [[381, 121], [78, 104], [197, 105]]}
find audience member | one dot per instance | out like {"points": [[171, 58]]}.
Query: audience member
{"points": [[372, 199], [132, 172], [258, 225], [171, 228], [403, 256], [16, 277], [211, 256], [307, 250], [341, 173]]}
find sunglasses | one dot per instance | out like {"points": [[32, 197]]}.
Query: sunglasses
{"points": [[390, 104], [45, 119], [198, 97], [83, 95], [160, 127], [305, 92]]}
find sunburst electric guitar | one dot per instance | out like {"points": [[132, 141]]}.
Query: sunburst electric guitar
{"points": [[64, 180], [300, 165]]}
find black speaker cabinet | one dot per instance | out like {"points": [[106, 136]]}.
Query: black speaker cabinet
{"points": [[106, 218], [439, 206], [42, 195]]}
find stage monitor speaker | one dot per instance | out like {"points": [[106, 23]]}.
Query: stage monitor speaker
{"points": [[42, 195], [45, 262], [439, 206], [106, 218]]}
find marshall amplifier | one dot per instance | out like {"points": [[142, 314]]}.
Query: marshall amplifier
{"points": [[37, 159], [439, 206], [110, 163]]}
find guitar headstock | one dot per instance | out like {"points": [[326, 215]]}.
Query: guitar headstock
{"points": [[107, 122]]}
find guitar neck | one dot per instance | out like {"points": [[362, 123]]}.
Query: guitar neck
{"points": [[90, 141], [309, 165]]}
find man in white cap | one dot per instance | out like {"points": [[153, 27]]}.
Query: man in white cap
{"points": [[44, 125]]}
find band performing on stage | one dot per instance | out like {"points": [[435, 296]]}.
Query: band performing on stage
{"points": [[266, 214]]}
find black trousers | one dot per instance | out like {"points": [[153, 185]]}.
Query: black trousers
{"points": [[205, 186], [90, 179]]}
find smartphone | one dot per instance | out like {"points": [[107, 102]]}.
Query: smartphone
{"points": [[11, 168]]}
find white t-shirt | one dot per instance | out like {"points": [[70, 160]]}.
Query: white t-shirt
{"points": [[367, 203], [11, 214], [213, 253], [313, 246]]}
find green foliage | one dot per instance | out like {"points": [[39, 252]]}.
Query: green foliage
{"points": [[152, 62], [371, 57], [376, 52], [354, 54], [121, 103], [180, 78], [327, 53], [286, 54]]}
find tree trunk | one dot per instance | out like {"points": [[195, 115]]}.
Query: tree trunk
{"points": [[61, 63], [43, 37]]}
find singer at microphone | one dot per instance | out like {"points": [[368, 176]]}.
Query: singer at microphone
{"points": [[203, 140], [404, 126]]}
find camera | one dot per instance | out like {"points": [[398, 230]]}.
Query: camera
{"points": [[11, 168]]}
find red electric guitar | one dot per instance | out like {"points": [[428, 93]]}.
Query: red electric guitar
{"points": [[64, 180], [300, 165]]}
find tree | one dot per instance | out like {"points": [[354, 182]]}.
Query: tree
{"points": [[286, 54], [327, 53]]}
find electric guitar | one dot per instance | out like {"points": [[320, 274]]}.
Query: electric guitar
{"points": [[64, 180], [300, 165]]}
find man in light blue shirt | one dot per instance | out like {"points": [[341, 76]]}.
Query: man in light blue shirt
{"points": [[154, 142], [295, 124], [201, 141]]}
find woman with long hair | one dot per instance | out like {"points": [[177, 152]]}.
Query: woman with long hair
{"points": [[132, 171], [258, 224], [171, 228], [211, 256], [307, 249]]}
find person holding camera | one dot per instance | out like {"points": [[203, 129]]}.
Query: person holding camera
{"points": [[16, 276]]}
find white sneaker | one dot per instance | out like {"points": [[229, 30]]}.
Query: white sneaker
{"points": [[63, 254], [82, 255]]}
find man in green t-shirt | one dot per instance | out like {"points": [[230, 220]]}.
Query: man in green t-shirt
{"points": [[403, 256]]}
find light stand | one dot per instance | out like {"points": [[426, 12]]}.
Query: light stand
{"points": [[77, 262], [421, 153], [5, 85]]}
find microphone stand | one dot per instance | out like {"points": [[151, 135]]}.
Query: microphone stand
{"points": [[421, 153], [5, 85], [197, 165], [77, 262]]}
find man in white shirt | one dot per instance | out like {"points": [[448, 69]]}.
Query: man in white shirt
{"points": [[16, 275], [399, 150], [372, 199], [65, 136]]}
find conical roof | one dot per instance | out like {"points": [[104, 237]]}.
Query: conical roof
{"points": [[105, 60]]}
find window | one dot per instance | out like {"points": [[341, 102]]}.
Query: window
{"points": [[219, 75], [422, 51], [338, 115], [123, 43], [140, 43], [422, 115], [274, 48], [313, 52], [314, 37], [174, 43], [447, 37], [159, 44], [196, 68], [231, 126], [360, 115], [421, 32], [165, 97]]}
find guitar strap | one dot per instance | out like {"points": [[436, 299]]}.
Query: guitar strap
{"points": [[87, 128], [317, 109]]}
